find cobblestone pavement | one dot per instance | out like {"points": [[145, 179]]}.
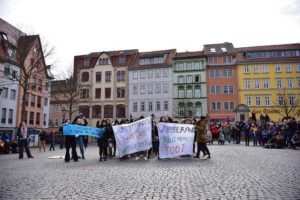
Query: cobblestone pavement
{"points": [[234, 172]]}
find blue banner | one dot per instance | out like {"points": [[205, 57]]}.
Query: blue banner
{"points": [[77, 130]]}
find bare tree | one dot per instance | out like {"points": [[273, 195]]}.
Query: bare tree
{"points": [[66, 93], [288, 103], [31, 60]]}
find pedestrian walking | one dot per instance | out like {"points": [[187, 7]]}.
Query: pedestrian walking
{"points": [[42, 140], [23, 140], [201, 138], [52, 141]]}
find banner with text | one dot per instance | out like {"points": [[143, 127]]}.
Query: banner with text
{"points": [[133, 137], [78, 130], [175, 139]]}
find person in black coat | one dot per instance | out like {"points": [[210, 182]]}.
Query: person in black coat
{"points": [[102, 141], [70, 142]]}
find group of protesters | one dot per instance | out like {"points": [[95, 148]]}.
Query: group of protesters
{"points": [[260, 132]]}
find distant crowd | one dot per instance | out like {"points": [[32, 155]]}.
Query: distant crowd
{"points": [[257, 132]]}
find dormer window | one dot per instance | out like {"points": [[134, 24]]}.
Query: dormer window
{"points": [[224, 49], [103, 61], [122, 60], [213, 50]]}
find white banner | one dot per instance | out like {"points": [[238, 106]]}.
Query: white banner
{"points": [[133, 137], [175, 139]]}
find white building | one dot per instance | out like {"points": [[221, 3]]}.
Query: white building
{"points": [[8, 86], [150, 84]]}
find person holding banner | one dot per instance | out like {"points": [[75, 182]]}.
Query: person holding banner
{"points": [[102, 141], [201, 138], [70, 142]]}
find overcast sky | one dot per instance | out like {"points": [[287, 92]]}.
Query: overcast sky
{"points": [[77, 27]]}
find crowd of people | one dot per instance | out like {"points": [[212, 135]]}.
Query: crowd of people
{"points": [[262, 132]]}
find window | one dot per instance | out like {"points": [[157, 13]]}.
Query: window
{"points": [[216, 106], [46, 101], [32, 101], [257, 84], [84, 93], [166, 105], [197, 78], [180, 91], [120, 92], [97, 93], [213, 50], [290, 83], [150, 107], [197, 91], [231, 106], [248, 100], [227, 73], [150, 88], [135, 107], [228, 89], [256, 68], [267, 100], [120, 111], [277, 68], [120, 76], [45, 119], [157, 73], [10, 116], [103, 61], [108, 111], [266, 83], [135, 75], [158, 106], [165, 73], [3, 116], [265, 68], [189, 91], [189, 79], [189, 109], [4, 92], [227, 59], [7, 70], [157, 88], [135, 89], [298, 68], [98, 77], [181, 109], [38, 118], [247, 84], [150, 74], [85, 76], [13, 94], [31, 118], [143, 89], [108, 76], [143, 74], [142, 106], [165, 88], [198, 108], [279, 83], [280, 100], [96, 111], [246, 69], [288, 68], [181, 79], [107, 93], [257, 101], [226, 106], [122, 60], [39, 101], [292, 100]]}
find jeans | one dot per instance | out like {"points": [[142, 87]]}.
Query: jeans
{"points": [[202, 147], [23, 143], [70, 142], [81, 145]]}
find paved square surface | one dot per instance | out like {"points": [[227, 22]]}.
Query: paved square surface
{"points": [[234, 172]]}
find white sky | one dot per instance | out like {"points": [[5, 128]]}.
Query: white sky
{"points": [[77, 27]]}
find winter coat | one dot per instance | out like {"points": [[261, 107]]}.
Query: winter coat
{"points": [[201, 132]]}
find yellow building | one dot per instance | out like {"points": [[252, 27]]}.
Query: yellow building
{"points": [[269, 80]]}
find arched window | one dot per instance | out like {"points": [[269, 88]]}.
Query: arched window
{"points": [[198, 108], [108, 111], [189, 109], [85, 110], [85, 76], [181, 109], [121, 111], [96, 111]]}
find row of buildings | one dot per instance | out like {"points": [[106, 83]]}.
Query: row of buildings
{"points": [[24, 80], [221, 81]]}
